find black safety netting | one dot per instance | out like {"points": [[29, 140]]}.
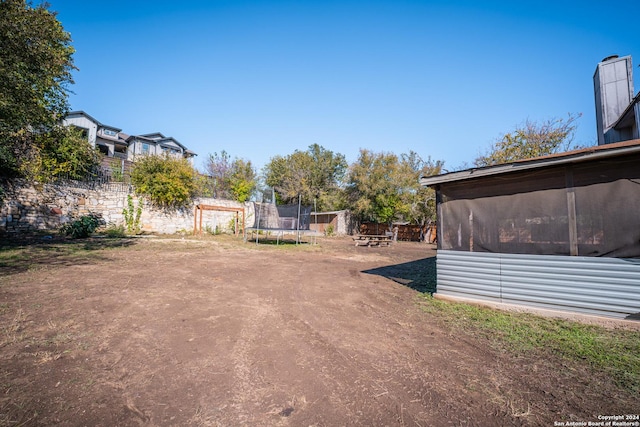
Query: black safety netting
{"points": [[269, 216], [584, 209]]}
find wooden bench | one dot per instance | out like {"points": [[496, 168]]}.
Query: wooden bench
{"points": [[372, 240]]}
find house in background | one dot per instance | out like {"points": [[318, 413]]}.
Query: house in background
{"points": [[112, 142], [157, 144], [108, 139]]}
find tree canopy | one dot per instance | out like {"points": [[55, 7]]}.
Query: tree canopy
{"points": [[315, 175], [229, 179], [35, 71], [62, 152], [533, 139], [167, 182], [383, 187]]}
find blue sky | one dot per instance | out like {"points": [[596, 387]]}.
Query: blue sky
{"points": [[264, 78]]}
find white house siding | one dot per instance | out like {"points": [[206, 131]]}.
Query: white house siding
{"points": [[84, 122]]}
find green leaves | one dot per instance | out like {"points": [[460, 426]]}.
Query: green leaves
{"points": [[167, 182], [229, 179], [532, 140], [316, 175], [62, 152], [35, 69], [383, 187], [82, 227], [132, 216]]}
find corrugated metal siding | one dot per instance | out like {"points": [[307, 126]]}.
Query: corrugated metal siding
{"points": [[600, 286]]}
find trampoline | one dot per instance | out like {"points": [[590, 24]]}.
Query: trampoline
{"points": [[280, 220]]}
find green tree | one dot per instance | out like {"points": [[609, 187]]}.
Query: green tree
{"points": [[373, 188], [229, 179], [316, 175], [168, 182], [218, 169], [35, 70], [243, 180], [418, 202], [532, 139], [383, 187], [61, 152]]}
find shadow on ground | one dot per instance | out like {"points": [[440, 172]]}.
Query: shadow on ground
{"points": [[21, 254], [419, 275]]}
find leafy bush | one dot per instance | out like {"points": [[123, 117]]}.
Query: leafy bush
{"points": [[81, 227], [61, 152], [329, 230], [115, 231], [132, 216], [167, 182]]}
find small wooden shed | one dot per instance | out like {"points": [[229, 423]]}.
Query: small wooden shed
{"points": [[559, 232], [331, 222]]}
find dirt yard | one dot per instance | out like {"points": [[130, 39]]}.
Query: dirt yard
{"points": [[170, 332]]}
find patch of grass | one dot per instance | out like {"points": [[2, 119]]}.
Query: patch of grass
{"points": [[11, 331], [616, 352], [22, 255], [115, 231]]}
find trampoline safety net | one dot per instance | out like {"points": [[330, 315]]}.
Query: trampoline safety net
{"points": [[269, 216]]}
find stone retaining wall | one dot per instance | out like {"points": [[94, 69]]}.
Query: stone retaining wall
{"points": [[26, 207]]}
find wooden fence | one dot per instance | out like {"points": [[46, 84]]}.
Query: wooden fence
{"points": [[406, 233]]}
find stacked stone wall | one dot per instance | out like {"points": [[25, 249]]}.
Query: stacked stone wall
{"points": [[28, 207]]}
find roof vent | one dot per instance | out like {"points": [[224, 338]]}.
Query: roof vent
{"points": [[609, 58]]}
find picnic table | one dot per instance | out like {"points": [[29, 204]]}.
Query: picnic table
{"points": [[373, 239]]}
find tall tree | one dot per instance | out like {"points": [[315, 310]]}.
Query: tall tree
{"points": [[419, 205], [243, 180], [532, 139], [374, 188], [229, 178], [218, 169], [35, 71], [383, 187], [316, 175], [62, 152]]}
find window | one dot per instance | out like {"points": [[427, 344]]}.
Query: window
{"points": [[145, 148], [109, 132]]}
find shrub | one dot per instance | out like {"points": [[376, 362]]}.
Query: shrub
{"points": [[81, 227], [329, 230], [132, 216], [115, 231], [167, 182]]}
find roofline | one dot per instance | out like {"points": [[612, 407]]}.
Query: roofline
{"points": [[170, 138], [628, 111], [140, 137], [329, 212], [148, 135], [576, 156], [83, 113]]}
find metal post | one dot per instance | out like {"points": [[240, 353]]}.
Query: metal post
{"points": [[298, 221], [258, 221], [195, 219]]}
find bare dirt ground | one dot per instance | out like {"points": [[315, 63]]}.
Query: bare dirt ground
{"points": [[164, 332]]}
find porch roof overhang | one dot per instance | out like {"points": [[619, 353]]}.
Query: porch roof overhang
{"points": [[598, 152]]}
